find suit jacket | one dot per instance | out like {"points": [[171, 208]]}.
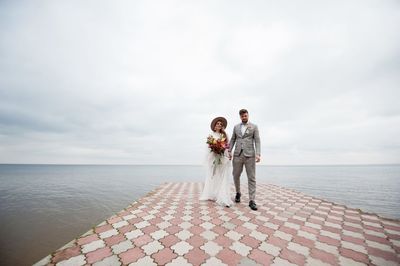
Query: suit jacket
{"points": [[245, 142]]}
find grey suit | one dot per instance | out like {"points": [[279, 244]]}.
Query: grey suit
{"points": [[247, 146]]}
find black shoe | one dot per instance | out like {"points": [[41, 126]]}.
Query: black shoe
{"points": [[253, 205], [237, 198]]}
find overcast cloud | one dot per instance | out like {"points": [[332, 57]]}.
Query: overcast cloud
{"points": [[138, 82]]}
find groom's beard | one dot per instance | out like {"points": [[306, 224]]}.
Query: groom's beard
{"points": [[245, 121]]}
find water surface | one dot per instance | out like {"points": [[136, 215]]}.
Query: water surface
{"points": [[42, 207]]}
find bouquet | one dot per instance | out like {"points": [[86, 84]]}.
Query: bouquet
{"points": [[217, 146]]}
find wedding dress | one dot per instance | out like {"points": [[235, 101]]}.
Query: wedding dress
{"points": [[217, 185]]}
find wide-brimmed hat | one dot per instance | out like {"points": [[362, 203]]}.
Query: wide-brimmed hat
{"points": [[215, 120]]}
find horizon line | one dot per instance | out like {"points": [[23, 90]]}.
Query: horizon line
{"points": [[272, 165]]}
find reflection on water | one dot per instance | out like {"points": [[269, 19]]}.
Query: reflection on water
{"points": [[42, 207]]}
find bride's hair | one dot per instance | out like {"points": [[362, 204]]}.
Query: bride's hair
{"points": [[224, 133]]}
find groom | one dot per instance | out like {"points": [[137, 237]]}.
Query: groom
{"points": [[245, 135]]}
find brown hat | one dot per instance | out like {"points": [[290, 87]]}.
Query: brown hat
{"points": [[215, 120]]}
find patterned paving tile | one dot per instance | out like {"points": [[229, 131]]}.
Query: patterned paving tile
{"points": [[170, 226]]}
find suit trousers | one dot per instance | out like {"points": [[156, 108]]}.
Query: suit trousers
{"points": [[250, 165]]}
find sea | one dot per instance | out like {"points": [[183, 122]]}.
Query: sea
{"points": [[43, 207]]}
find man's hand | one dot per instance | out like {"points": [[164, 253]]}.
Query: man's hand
{"points": [[258, 158]]}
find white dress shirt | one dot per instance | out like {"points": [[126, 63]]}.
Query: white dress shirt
{"points": [[243, 128]]}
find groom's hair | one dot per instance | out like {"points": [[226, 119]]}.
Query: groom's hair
{"points": [[243, 111]]}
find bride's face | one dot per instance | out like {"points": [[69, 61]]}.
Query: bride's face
{"points": [[218, 126]]}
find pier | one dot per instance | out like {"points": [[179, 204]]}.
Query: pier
{"points": [[170, 226]]}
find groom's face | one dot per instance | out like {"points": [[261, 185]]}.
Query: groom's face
{"points": [[244, 117]]}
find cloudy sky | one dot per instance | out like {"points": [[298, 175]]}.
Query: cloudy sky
{"points": [[138, 82]]}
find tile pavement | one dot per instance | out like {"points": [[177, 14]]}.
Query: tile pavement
{"points": [[170, 226]]}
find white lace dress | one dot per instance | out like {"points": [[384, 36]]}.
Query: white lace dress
{"points": [[217, 186]]}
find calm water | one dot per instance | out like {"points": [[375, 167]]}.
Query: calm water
{"points": [[42, 207]]}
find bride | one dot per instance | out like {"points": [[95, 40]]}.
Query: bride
{"points": [[218, 168]]}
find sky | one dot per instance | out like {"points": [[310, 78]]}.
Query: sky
{"points": [[138, 82]]}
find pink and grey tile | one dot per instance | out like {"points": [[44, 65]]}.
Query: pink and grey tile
{"points": [[170, 226]]}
